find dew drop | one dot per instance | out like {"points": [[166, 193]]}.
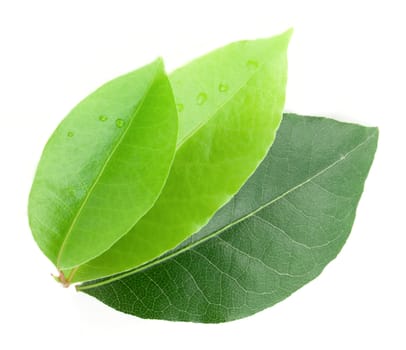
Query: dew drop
{"points": [[252, 64], [180, 107], [223, 87], [103, 118], [70, 134], [201, 98], [119, 123]]}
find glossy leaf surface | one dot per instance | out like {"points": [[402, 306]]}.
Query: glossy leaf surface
{"points": [[230, 104], [104, 166], [286, 224]]}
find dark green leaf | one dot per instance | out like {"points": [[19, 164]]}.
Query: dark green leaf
{"points": [[285, 225]]}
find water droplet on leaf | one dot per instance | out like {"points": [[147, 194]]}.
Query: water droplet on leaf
{"points": [[70, 134], [252, 64], [201, 98], [103, 118], [223, 87], [119, 123]]}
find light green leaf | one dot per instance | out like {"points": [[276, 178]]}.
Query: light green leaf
{"points": [[230, 104], [285, 225], [104, 166]]}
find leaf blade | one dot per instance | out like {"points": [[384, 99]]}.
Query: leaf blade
{"points": [[228, 272], [78, 189]]}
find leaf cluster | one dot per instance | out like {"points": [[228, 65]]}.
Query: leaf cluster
{"points": [[163, 196]]}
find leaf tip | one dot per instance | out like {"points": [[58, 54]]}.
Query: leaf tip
{"points": [[288, 32], [159, 62], [287, 35], [282, 40]]}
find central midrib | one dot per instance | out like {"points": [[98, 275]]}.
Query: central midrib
{"points": [[217, 232], [86, 198]]}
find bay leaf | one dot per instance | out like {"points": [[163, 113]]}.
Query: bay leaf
{"points": [[104, 166], [288, 221]]}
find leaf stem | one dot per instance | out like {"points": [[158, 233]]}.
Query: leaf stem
{"points": [[63, 280]]}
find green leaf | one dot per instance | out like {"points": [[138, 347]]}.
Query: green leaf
{"points": [[104, 166], [230, 104], [285, 225]]}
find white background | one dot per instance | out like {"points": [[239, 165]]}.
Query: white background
{"points": [[347, 60]]}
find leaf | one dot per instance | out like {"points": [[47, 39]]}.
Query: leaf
{"points": [[285, 225], [104, 166], [231, 106]]}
